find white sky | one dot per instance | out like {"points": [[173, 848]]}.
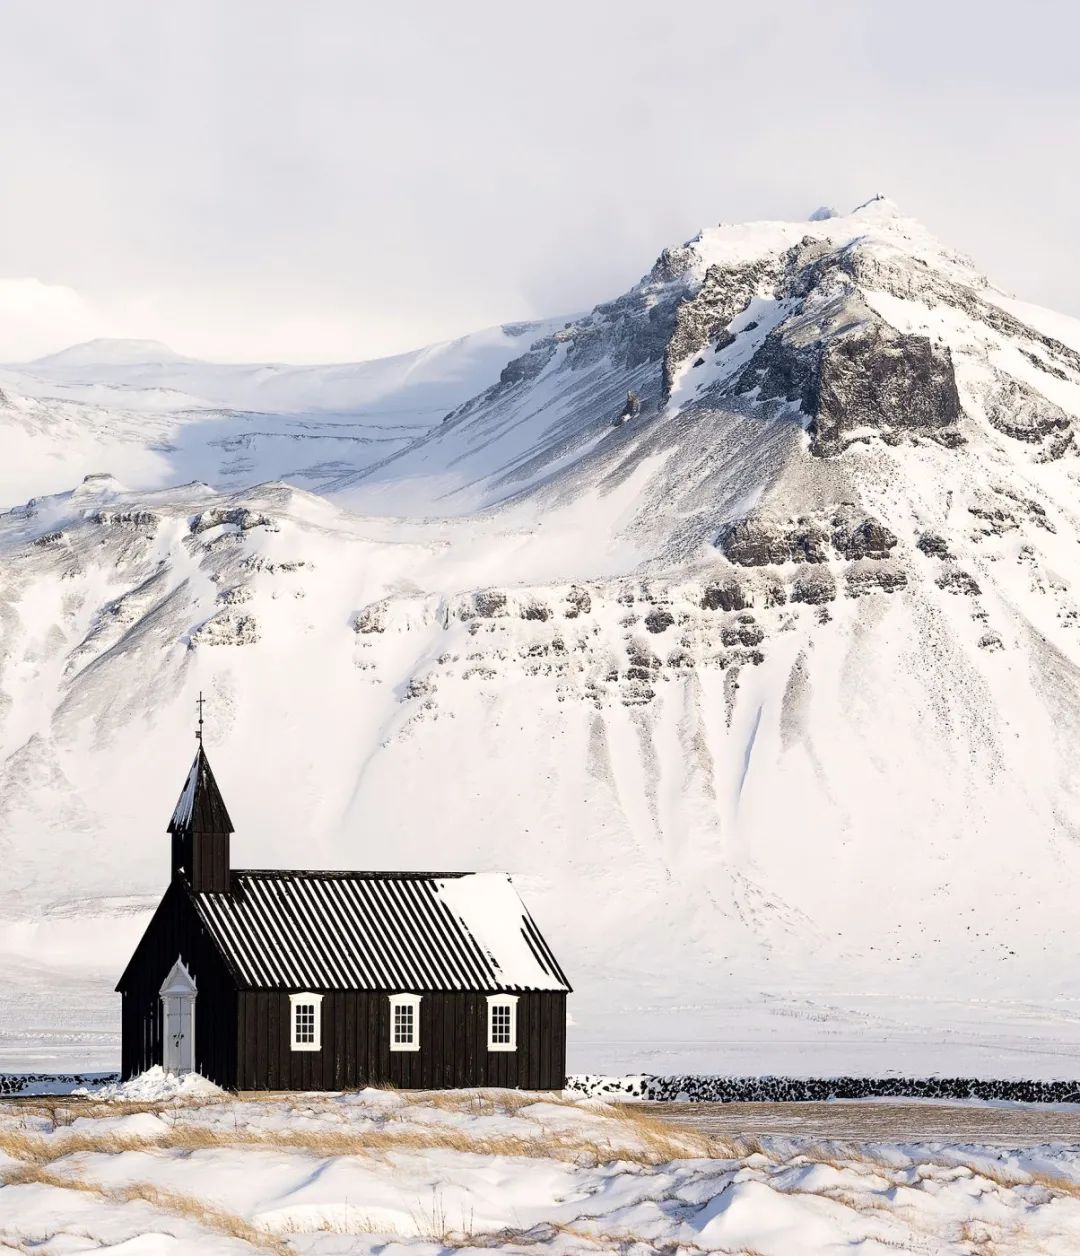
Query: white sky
{"points": [[251, 179]]}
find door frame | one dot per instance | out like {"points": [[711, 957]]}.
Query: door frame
{"points": [[178, 988]]}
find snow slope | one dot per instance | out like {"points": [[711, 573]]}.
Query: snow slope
{"points": [[763, 687], [107, 355], [153, 418]]}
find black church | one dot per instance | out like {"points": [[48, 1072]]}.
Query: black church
{"points": [[284, 980]]}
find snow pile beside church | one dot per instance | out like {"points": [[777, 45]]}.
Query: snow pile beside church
{"points": [[155, 1086]]}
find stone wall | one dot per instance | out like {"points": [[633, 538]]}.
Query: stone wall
{"points": [[801, 1090], [52, 1083]]}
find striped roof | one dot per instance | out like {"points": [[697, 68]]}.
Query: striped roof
{"points": [[400, 931]]}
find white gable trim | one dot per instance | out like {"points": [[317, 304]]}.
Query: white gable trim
{"points": [[179, 981]]}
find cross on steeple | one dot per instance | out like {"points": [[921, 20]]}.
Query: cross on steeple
{"points": [[200, 825]]}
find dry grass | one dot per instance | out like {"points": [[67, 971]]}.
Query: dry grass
{"points": [[427, 1221], [840, 1156], [661, 1140], [1002, 1175], [648, 1149], [485, 1102], [636, 1135], [61, 1110], [846, 1158], [199, 1211]]}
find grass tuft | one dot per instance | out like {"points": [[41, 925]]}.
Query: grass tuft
{"points": [[199, 1211]]}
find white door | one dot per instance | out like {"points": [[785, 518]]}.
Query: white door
{"points": [[178, 1017], [178, 1020]]}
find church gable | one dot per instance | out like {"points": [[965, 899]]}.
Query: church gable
{"points": [[174, 932]]}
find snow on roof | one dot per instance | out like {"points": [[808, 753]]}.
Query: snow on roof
{"points": [[181, 816], [379, 931], [200, 806], [488, 907]]}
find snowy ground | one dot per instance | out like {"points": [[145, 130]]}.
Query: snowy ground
{"points": [[63, 1016], [467, 1171]]}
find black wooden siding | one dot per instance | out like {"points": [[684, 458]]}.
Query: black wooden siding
{"points": [[356, 1051], [242, 1039], [175, 930], [250, 938]]}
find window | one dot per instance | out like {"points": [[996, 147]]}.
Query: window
{"points": [[502, 1022], [404, 1022], [306, 1019]]}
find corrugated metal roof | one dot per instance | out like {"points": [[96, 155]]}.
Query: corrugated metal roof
{"points": [[200, 807], [379, 931]]}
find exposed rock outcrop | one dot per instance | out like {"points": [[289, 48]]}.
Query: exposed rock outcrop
{"points": [[879, 379], [1018, 411], [867, 578], [730, 596], [239, 517], [933, 546], [147, 519], [851, 373], [725, 292], [226, 628], [957, 581], [855, 537], [814, 587], [762, 540]]}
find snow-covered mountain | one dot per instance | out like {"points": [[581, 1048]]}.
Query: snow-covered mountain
{"points": [[153, 418], [738, 619], [106, 354]]}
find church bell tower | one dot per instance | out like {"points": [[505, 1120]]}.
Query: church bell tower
{"points": [[201, 828]]}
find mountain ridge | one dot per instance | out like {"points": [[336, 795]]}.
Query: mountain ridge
{"points": [[113, 350]]}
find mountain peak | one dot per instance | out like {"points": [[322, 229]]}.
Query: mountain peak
{"points": [[878, 206], [112, 351]]}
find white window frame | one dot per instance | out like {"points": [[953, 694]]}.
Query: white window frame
{"points": [[295, 1001], [405, 1000], [501, 1000]]}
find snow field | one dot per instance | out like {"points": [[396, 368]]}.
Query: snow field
{"points": [[160, 1168]]}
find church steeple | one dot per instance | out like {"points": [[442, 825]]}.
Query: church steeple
{"points": [[200, 828]]}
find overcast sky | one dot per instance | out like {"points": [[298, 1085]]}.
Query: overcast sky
{"points": [[315, 181]]}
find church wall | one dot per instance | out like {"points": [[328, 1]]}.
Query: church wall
{"points": [[175, 931], [356, 1044]]}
